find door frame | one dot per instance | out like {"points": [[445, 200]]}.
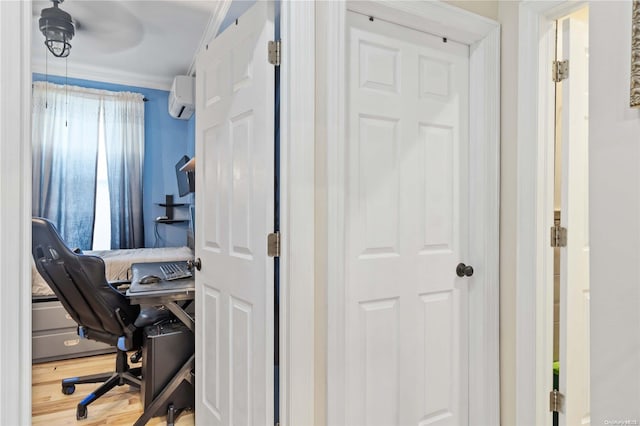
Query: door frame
{"points": [[15, 215], [298, 354], [483, 36], [535, 188]]}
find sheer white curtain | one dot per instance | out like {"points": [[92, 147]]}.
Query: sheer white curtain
{"points": [[65, 137], [65, 150]]}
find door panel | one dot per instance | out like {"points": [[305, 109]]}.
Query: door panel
{"points": [[406, 226], [234, 214], [574, 275]]}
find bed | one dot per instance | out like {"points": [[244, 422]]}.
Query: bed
{"points": [[54, 333]]}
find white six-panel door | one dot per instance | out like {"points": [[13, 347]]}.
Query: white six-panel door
{"points": [[234, 214], [406, 209]]}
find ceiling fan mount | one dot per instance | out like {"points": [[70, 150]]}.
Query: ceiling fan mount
{"points": [[58, 28]]}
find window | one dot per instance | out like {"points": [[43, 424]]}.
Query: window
{"points": [[102, 223], [88, 148]]}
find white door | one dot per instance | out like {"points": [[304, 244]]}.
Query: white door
{"points": [[406, 227], [234, 215], [574, 258]]}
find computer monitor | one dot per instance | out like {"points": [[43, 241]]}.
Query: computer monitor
{"points": [[186, 180]]}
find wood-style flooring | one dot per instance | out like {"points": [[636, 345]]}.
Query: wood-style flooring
{"points": [[120, 406]]}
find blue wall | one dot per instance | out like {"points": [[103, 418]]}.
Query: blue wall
{"points": [[166, 141]]}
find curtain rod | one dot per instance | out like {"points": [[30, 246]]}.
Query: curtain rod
{"points": [[95, 90]]}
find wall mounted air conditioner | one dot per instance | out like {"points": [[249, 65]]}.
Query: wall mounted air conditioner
{"points": [[182, 97]]}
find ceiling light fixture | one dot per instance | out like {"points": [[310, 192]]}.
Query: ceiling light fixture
{"points": [[58, 29]]}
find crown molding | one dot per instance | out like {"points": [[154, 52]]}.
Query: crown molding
{"points": [[215, 21]]}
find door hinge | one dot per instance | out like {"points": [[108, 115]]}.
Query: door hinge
{"points": [[558, 236], [556, 401], [560, 70], [273, 244], [274, 52]]}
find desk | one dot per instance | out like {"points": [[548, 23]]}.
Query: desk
{"points": [[175, 296]]}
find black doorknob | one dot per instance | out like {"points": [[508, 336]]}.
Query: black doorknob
{"points": [[194, 263], [463, 270]]}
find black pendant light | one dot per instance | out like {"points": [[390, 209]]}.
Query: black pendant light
{"points": [[58, 29]]}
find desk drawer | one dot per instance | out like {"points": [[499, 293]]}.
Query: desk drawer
{"points": [[65, 344], [50, 316]]}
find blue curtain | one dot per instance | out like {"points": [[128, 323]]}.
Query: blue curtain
{"points": [[124, 144], [67, 122], [64, 159]]}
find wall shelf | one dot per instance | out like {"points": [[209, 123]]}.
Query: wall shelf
{"points": [[168, 208]]}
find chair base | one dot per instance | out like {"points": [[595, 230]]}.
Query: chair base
{"points": [[122, 376]]}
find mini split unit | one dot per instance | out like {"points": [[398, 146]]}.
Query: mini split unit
{"points": [[182, 97]]}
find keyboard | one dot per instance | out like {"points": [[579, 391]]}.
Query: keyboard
{"points": [[175, 271]]}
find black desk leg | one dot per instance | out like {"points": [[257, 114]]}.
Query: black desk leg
{"points": [[181, 315], [183, 374], [171, 415]]}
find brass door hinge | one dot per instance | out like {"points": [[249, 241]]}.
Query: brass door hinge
{"points": [[560, 70], [556, 401], [274, 52], [273, 244], [558, 236]]}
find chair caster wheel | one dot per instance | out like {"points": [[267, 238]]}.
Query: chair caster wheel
{"points": [[136, 357], [68, 389], [81, 412]]}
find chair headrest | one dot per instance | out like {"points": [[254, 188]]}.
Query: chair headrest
{"points": [[46, 241]]}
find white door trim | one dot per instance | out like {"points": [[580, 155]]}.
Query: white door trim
{"points": [[483, 35], [534, 259], [15, 214], [297, 213]]}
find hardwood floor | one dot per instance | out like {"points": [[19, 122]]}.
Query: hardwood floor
{"points": [[120, 406]]}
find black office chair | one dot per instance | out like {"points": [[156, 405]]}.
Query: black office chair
{"points": [[101, 311]]}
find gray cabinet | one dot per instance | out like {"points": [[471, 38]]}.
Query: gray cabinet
{"points": [[54, 335]]}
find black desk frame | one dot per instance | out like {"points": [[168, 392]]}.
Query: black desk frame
{"points": [[176, 301]]}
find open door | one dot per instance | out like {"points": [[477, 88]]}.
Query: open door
{"points": [[234, 215], [574, 258]]}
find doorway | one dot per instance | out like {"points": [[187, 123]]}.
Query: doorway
{"points": [[570, 232]]}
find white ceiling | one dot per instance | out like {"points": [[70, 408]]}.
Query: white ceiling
{"points": [[142, 43]]}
